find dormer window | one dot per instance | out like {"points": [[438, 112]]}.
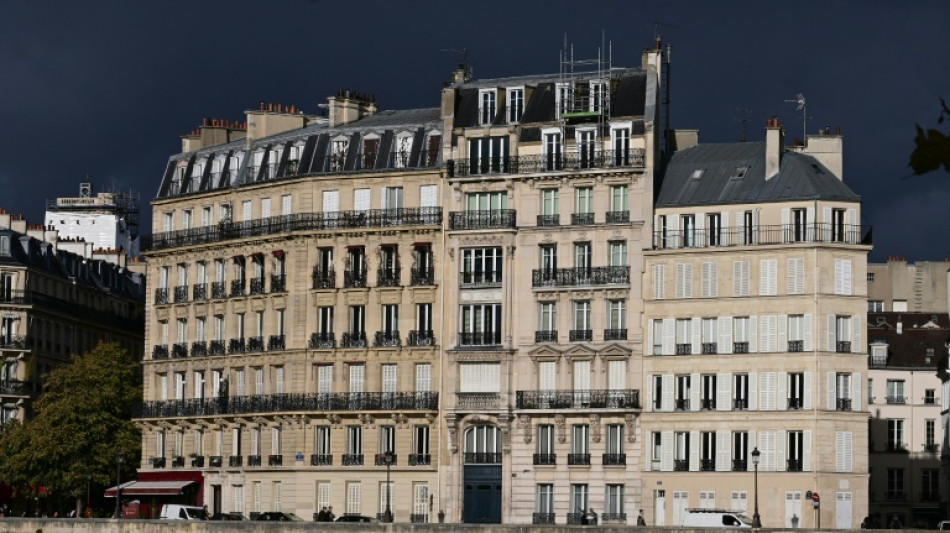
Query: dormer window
{"points": [[878, 354], [431, 154], [564, 98], [401, 150], [487, 101], [698, 173], [515, 104], [370, 149], [293, 160], [338, 154], [4, 245], [598, 91]]}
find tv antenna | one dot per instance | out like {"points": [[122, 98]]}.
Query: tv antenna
{"points": [[463, 51], [803, 107], [741, 115]]}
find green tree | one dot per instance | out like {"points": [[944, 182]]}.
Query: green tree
{"points": [[933, 146], [80, 421]]}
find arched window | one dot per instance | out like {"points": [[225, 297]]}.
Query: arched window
{"points": [[482, 445]]}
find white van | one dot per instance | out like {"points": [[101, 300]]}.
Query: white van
{"points": [[174, 511], [715, 518]]}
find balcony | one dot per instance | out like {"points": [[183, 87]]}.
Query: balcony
{"points": [[289, 402], [199, 291], [474, 280], [218, 291], [932, 447], [740, 347], [545, 459], [278, 283], [575, 519], [707, 404], [577, 399], [216, 348], [381, 459], [618, 217], [158, 462], [578, 459], [582, 219], [235, 461], [255, 344], [477, 400], [896, 447], [614, 459], [275, 460], [16, 297], [352, 459], [324, 279], [237, 288], [795, 404], [763, 236], [179, 350], [371, 218], [418, 518], [481, 458], [476, 220], [681, 404], [420, 459], [253, 460], [181, 294], [543, 518], [421, 337], [684, 349], [843, 404], [680, 465], [356, 339], [707, 465], [422, 276], [480, 338], [929, 495], [581, 335], [15, 342], [215, 461], [13, 387], [740, 465], [549, 220], [257, 286], [740, 404], [794, 465], [580, 276], [236, 346], [613, 517], [615, 334], [796, 346], [896, 400], [321, 460], [197, 461], [387, 278], [545, 336], [354, 278], [843, 347], [275, 342], [534, 164], [387, 339], [160, 351], [161, 296]]}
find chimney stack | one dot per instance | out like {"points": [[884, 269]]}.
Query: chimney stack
{"points": [[349, 106], [774, 146]]}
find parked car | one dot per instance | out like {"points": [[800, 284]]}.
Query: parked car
{"points": [[278, 516], [700, 518], [353, 518], [174, 511], [228, 516], [943, 525]]}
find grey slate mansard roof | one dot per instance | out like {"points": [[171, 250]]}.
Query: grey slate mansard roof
{"points": [[801, 177]]}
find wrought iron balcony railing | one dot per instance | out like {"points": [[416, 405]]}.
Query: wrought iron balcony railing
{"points": [[576, 399], [16, 297], [255, 344], [707, 404], [181, 294], [896, 400], [533, 164], [740, 465], [13, 387], [549, 220], [710, 348], [381, 459], [215, 461], [478, 400], [763, 235], [422, 276], [387, 278], [684, 349], [418, 518], [614, 459], [795, 403], [615, 334], [160, 351], [321, 460], [581, 335], [707, 465], [543, 518], [796, 346], [275, 460], [353, 339], [545, 336], [613, 517], [322, 340], [16, 342], [161, 296], [278, 283], [289, 402], [843, 347], [235, 461], [257, 286], [236, 346], [199, 348], [680, 465], [582, 219], [218, 291], [158, 462], [352, 459], [387, 339], [740, 404], [740, 347], [474, 220], [237, 287], [479, 338], [324, 278], [794, 465], [253, 460], [545, 459], [199, 291], [216, 348], [179, 350], [354, 278], [580, 276], [275, 342], [843, 404], [198, 461], [420, 459], [370, 218], [481, 458], [578, 459], [618, 217], [574, 519], [421, 337], [681, 404]]}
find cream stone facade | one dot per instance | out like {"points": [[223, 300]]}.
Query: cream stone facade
{"points": [[900, 286], [754, 303]]}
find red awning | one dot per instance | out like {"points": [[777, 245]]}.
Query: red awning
{"points": [[278, 253], [150, 488], [422, 244]]}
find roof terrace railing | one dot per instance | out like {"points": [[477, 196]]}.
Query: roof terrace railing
{"points": [[762, 235], [538, 163]]}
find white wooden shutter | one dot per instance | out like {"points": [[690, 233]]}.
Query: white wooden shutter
{"points": [[724, 235], [768, 272], [285, 204], [782, 345], [669, 336], [357, 378], [785, 224], [767, 391], [547, 375], [725, 335], [832, 334], [794, 276], [831, 389], [724, 391], [659, 281], [856, 334], [806, 450], [810, 221], [423, 377], [808, 342], [846, 271], [694, 446], [694, 386], [826, 226], [428, 196], [700, 238], [780, 452], [856, 388], [617, 374], [265, 207], [781, 391], [649, 404], [389, 378], [807, 402], [666, 450], [696, 330], [354, 496], [650, 326], [753, 394], [582, 375], [753, 335], [710, 280], [843, 451], [675, 240], [723, 450], [331, 201], [767, 447], [361, 200], [667, 400]]}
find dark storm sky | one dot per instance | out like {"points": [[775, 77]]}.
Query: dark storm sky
{"points": [[105, 89]]}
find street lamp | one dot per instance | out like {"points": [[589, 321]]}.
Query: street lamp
{"points": [[388, 514], [756, 521], [88, 484], [118, 484]]}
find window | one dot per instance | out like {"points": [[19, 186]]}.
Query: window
{"points": [[799, 225], [547, 321], [402, 150], [740, 278], [614, 505], [4, 245], [837, 225], [895, 434], [544, 500], [618, 253], [682, 392], [656, 451], [707, 451], [768, 274], [740, 392], [930, 397], [740, 451], [488, 155], [621, 145], [582, 258], [616, 315], [750, 230], [486, 106], [930, 434], [796, 275], [795, 451], [684, 280], [659, 282], [357, 320], [549, 204], [338, 154], [584, 201], [387, 439], [545, 444], [796, 390], [615, 439], [708, 392], [515, 97], [688, 225], [322, 440], [580, 444], [598, 97], [354, 495], [683, 336], [842, 331], [657, 333], [618, 201], [900, 306], [875, 306], [895, 484], [354, 440], [796, 332], [565, 98], [420, 445], [481, 266], [586, 148], [681, 451], [710, 335], [713, 229], [581, 317], [579, 498], [480, 324]]}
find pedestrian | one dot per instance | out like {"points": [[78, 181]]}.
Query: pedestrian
{"points": [[592, 517], [322, 515], [330, 516], [640, 520]]}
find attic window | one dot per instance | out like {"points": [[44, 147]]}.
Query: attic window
{"points": [[698, 173], [880, 320], [879, 355], [4, 245], [740, 172]]}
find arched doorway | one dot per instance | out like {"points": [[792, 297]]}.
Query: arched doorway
{"points": [[482, 475]]}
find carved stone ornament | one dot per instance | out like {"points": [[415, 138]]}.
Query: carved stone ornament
{"points": [[595, 428], [524, 422], [451, 423], [561, 429], [631, 420]]}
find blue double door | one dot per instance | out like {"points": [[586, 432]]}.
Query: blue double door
{"points": [[482, 497]]}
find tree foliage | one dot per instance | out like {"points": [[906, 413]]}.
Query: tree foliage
{"points": [[80, 421], [933, 146]]}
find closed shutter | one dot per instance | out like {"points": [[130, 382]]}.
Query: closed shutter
{"points": [[843, 451], [856, 334], [856, 388], [781, 393], [786, 230], [667, 400], [265, 207], [424, 377], [753, 394], [479, 377], [285, 204], [724, 391], [357, 378], [428, 196], [725, 335], [331, 201], [810, 221], [279, 378], [806, 450], [688, 280], [807, 401], [650, 350], [361, 200], [659, 279], [808, 342], [694, 445], [669, 336], [710, 280], [780, 451], [389, 378], [723, 450], [547, 375], [700, 238], [796, 275], [832, 334], [767, 391], [666, 447], [766, 332], [694, 386], [740, 227], [767, 447], [782, 322], [617, 375], [831, 391], [696, 330], [768, 270], [826, 226], [753, 335], [582, 375], [740, 278], [848, 452], [725, 236]]}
